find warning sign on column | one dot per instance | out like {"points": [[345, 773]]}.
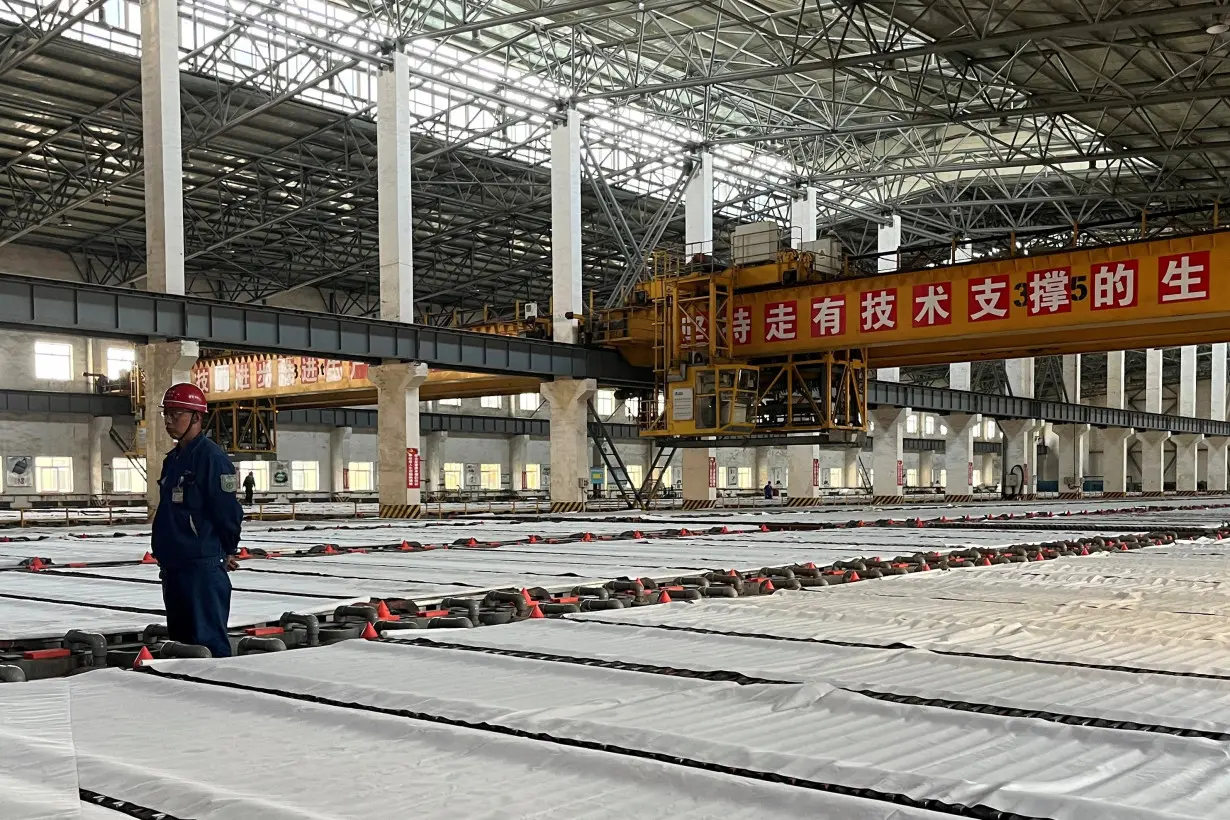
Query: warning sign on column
{"points": [[412, 468]]}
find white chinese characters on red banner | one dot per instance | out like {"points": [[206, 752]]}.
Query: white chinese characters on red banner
{"points": [[740, 326], [933, 304], [243, 375], [989, 298], [309, 370], [358, 370], [286, 372], [1114, 284], [828, 316], [200, 377], [333, 371], [781, 321], [695, 328], [877, 310], [264, 374], [1183, 277], [1048, 291]]}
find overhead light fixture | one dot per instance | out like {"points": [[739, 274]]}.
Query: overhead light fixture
{"points": [[64, 223], [1217, 28]]}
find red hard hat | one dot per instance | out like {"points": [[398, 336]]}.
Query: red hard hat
{"points": [[184, 397]]}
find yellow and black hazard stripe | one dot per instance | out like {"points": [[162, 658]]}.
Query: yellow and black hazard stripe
{"points": [[1151, 494], [959, 498], [567, 506], [1114, 494], [1187, 492], [803, 501], [401, 510], [1071, 496], [880, 500], [699, 503]]}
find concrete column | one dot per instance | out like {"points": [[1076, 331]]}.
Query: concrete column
{"points": [[803, 216], [889, 242], [698, 206], [1187, 380], [1217, 383], [433, 460], [164, 364], [339, 458], [1114, 460], [393, 190], [569, 399], [886, 452], [163, 152], [1021, 446], [988, 469], [1020, 376], [397, 432], [699, 482], [100, 426], [760, 471], [1186, 447], [959, 456], [518, 446], [566, 228], [1072, 377], [1152, 458], [1114, 379], [926, 468], [1215, 476], [850, 477], [802, 466], [959, 375], [1153, 380], [1072, 442]]}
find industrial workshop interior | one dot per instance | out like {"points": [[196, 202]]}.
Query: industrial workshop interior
{"points": [[590, 409]]}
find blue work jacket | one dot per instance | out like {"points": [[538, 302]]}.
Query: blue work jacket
{"points": [[198, 517]]}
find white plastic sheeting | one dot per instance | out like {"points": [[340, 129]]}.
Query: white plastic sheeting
{"points": [[1164, 700], [813, 732], [197, 751], [38, 769]]}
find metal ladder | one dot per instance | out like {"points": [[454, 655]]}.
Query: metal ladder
{"points": [[127, 451], [653, 482], [615, 466]]}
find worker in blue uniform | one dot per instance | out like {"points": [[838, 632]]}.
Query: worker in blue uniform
{"points": [[196, 528]]}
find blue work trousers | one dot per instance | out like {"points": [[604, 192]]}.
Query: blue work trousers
{"points": [[197, 598]]}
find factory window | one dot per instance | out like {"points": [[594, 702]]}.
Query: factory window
{"points": [[260, 472], [991, 430], [53, 361], [491, 402], [943, 429], [605, 402], [977, 479], [528, 402], [633, 407], [119, 361], [360, 473], [452, 475], [665, 474], [835, 476], [721, 478], [911, 423], [533, 476], [53, 474], [490, 476], [911, 478], [745, 478], [636, 474], [305, 476], [449, 402], [943, 478], [929, 425], [127, 477]]}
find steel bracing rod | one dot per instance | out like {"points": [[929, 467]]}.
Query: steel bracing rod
{"points": [[14, 60]]}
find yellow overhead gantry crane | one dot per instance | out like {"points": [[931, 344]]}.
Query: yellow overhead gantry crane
{"points": [[784, 346]]}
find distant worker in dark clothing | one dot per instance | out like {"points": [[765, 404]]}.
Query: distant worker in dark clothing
{"points": [[249, 485], [196, 528], [768, 491]]}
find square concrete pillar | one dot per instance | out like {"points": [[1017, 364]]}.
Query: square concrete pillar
{"points": [[760, 469], [1215, 464], [1114, 379], [959, 456], [569, 401], [988, 469], [1020, 374], [926, 468], [100, 428], [803, 473], [888, 242], [566, 228], [163, 150], [850, 477], [399, 451], [1186, 450], [699, 477], [339, 459], [518, 446], [163, 364], [1153, 380], [433, 460], [803, 216], [1021, 445], [1217, 383], [1072, 441], [698, 206], [1114, 461], [888, 469], [1152, 459]]}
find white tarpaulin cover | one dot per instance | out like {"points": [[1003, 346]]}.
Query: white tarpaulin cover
{"points": [[209, 753], [38, 768]]}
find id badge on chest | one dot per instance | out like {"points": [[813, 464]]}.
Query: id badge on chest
{"points": [[177, 495]]}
